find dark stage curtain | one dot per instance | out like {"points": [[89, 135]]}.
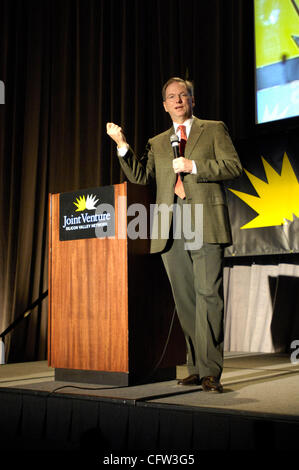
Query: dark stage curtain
{"points": [[69, 66]]}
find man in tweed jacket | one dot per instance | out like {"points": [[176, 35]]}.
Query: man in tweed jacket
{"points": [[195, 272]]}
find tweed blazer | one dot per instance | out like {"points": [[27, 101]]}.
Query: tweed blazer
{"points": [[216, 159]]}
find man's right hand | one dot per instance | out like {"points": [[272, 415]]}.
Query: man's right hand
{"points": [[116, 133]]}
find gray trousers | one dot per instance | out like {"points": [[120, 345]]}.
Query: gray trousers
{"points": [[196, 278]]}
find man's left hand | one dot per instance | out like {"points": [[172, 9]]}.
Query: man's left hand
{"points": [[182, 165]]}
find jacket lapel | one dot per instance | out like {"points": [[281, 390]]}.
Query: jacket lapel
{"points": [[196, 130], [166, 144]]}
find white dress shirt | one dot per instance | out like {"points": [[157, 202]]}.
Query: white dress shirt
{"points": [[187, 124]]}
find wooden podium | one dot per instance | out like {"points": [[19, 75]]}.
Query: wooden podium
{"points": [[110, 305]]}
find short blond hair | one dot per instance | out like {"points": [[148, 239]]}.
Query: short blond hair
{"points": [[187, 83]]}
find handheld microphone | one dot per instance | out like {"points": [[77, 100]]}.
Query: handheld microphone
{"points": [[174, 140], [175, 143]]}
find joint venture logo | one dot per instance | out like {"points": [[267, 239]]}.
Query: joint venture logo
{"points": [[88, 203]]}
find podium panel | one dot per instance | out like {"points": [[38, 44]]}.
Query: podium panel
{"points": [[110, 303]]}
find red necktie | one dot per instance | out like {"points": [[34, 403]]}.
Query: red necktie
{"points": [[179, 187]]}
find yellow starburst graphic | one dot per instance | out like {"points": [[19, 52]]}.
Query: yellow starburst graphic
{"points": [[278, 198], [80, 204]]}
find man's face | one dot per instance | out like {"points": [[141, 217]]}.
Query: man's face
{"points": [[178, 103]]}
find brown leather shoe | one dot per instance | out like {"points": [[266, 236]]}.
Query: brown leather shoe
{"points": [[190, 380], [211, 384]]}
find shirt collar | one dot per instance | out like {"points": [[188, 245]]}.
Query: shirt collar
{"points": [[187, 123]]}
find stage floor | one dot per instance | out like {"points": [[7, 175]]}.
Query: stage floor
{"points": [[255, 384]]}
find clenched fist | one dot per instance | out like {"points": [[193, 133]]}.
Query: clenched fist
{"points": [[182, 165], [116, 134]]}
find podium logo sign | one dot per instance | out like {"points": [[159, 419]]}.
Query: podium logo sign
{"points": [[87, 214]]}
